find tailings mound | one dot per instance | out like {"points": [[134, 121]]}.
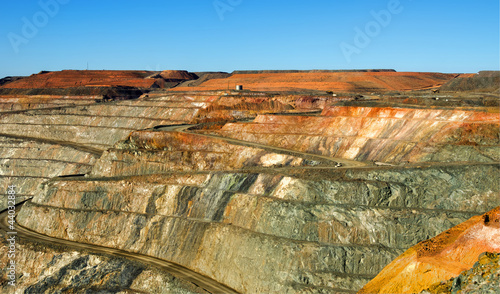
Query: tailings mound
{"points": [[327, 81]]}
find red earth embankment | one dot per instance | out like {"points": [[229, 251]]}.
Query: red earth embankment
{"points": [[327, 81], [440, 258], [99, 78]]}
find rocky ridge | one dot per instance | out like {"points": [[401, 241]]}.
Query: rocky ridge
{"points": [[442, 257], [483, 277]]}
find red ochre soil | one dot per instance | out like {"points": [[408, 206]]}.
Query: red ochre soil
{"points": [[440, 258], [327, 81], [97, 78], [295, 81]]}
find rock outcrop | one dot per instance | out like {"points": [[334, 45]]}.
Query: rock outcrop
{"points": [[46, 269], [441, 257], [214, 207], [483, 277]]}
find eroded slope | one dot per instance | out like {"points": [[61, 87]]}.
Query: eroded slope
{"points": [[441, 257]]}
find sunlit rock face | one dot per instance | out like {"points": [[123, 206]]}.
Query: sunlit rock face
{"points": [[261, 231], [48, 136], [27, 163], [272, 193], [483, 277], [440, 258], [393, 135]]}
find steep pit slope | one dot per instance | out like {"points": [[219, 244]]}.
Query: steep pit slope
{"points": [[20, 102], [258, 229], [257, 218], [100, 125], [391, 135], [265, 233], [65, 140], [326, 81], [483, 277], [47, 269], [26, 162], [36, 145], [441, 257], [152, 152]]}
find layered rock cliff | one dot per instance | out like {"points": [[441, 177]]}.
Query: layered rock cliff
{"points": [[53, 269], [261, 221], [392, 135], [293, 201]]}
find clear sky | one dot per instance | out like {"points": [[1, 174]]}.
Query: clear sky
{"points": [[225, 35]]}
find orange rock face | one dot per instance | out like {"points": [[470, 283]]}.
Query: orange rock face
{"points": [[327, 81], [440, 258]]}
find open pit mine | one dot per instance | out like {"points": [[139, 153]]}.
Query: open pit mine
{"points": [[370, 181]]}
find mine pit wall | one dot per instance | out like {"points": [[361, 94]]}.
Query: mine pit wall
{"points": [[268, 232], [153, 152], [50, 269], [99, 126], [28, 163], [10, 103], [389, 135]]}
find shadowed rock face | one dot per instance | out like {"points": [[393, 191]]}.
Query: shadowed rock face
{"points": [[258, 218], [441, 257]]}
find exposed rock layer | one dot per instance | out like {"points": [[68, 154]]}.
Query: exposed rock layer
{"points": [[441, 257], [47, 269], [257, 218]]}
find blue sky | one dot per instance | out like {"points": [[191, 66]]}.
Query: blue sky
{"points": [[226, 35]]}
